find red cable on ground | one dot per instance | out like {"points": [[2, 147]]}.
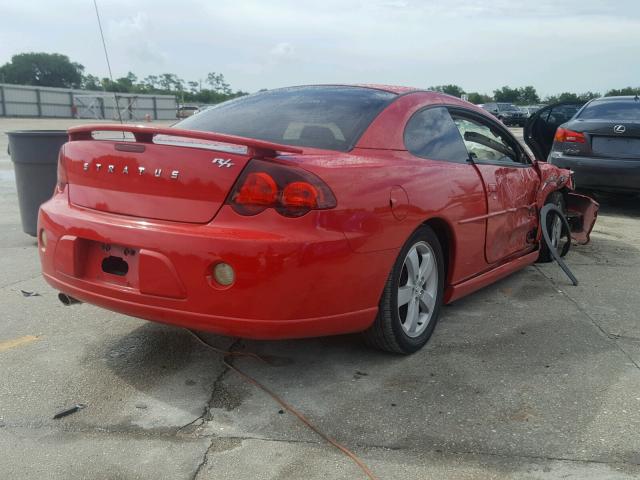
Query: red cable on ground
{"points": [[284, 404]]}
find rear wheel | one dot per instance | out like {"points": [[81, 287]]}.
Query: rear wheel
{"points": [[412, 297], [554, 226]]}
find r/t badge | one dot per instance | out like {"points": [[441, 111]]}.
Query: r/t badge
{"points": [[222, 162]]}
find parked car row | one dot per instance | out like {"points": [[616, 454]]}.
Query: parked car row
{"points": [[507, 113], [510, 114], [529, 110]]}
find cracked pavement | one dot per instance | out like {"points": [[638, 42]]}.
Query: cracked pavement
{"points": [[530, 378]]}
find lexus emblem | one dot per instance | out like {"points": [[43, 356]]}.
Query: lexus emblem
{"points": [[619, 129]]}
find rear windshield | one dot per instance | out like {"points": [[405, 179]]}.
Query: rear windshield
{"points": [[329, 117], [628, 110]]}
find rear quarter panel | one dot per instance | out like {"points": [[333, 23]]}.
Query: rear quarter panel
{"points": [[384, 193]]}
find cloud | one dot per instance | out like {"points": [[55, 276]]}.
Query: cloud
{"points": [[132, 37], [481, 45]]}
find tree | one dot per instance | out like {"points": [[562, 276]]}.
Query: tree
{"points": [[125, 84], [150, 82], [475, 97], [615, 92], [572, 97], [506, 94], [528, 96], [43, 69], [585, 97], [218, 84], [166, 80], [91, 82], [193, 86], [453, 90]]}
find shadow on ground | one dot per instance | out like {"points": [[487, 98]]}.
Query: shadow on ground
{"points": [[512, 370]]}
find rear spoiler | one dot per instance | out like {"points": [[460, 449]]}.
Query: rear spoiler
{"points": [[145, 134]]}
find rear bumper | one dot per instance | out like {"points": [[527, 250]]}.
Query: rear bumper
{"points": [[601, 173], [304, 282]]}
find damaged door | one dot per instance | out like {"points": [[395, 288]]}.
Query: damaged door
{"points": [[510, 182]]}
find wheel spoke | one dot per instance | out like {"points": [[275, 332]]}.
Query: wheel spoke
{"points": [[411, 321], [426, 267], [405, 294], [412, 264], [427, 301]]}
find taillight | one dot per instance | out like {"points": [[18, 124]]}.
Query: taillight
{"points": [[291, 191], [62, 171], [564, 135]]}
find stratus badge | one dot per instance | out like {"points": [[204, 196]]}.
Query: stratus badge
{"points": [[157, 172]]}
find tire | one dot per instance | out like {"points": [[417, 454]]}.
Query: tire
{"points": [[557, 199], [398, 328]]}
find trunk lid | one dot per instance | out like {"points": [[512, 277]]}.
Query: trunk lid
{"points": [[160, 173]]}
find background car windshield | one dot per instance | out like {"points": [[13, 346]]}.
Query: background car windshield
{"points": [[628, 110], [507, 107], [329, 117]]}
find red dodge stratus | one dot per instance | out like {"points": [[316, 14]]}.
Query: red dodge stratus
{"points": [[298, 212]]}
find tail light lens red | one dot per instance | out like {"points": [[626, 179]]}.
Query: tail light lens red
{"points": [[569, 136], [259, 189], [62, 171], [291, 191]]}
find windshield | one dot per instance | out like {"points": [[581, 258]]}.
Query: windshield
{"points": [[628, 110], [328, 117]]}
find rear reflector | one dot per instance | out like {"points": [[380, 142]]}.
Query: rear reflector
{"points": [[569, 136]]}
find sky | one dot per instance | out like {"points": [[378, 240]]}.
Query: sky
{"points": [[481, 45]]}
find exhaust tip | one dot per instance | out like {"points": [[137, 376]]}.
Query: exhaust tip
{"points": [[67, 300]]}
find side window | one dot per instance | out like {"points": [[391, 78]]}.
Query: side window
{"points": [[431, 133], [484, 143], [562, 113]]}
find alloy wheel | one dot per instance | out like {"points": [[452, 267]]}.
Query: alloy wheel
{"points": [[417, 289]]}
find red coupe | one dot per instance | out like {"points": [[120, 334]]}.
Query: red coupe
{"points": [[298, 212]]}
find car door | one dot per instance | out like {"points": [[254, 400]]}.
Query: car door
{"points": [[510, 182], [542, 125]]}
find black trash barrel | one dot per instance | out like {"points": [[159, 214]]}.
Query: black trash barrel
{"points": [[35, 160]]}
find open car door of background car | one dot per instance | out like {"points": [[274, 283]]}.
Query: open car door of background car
{"points": [[541, 127]]}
